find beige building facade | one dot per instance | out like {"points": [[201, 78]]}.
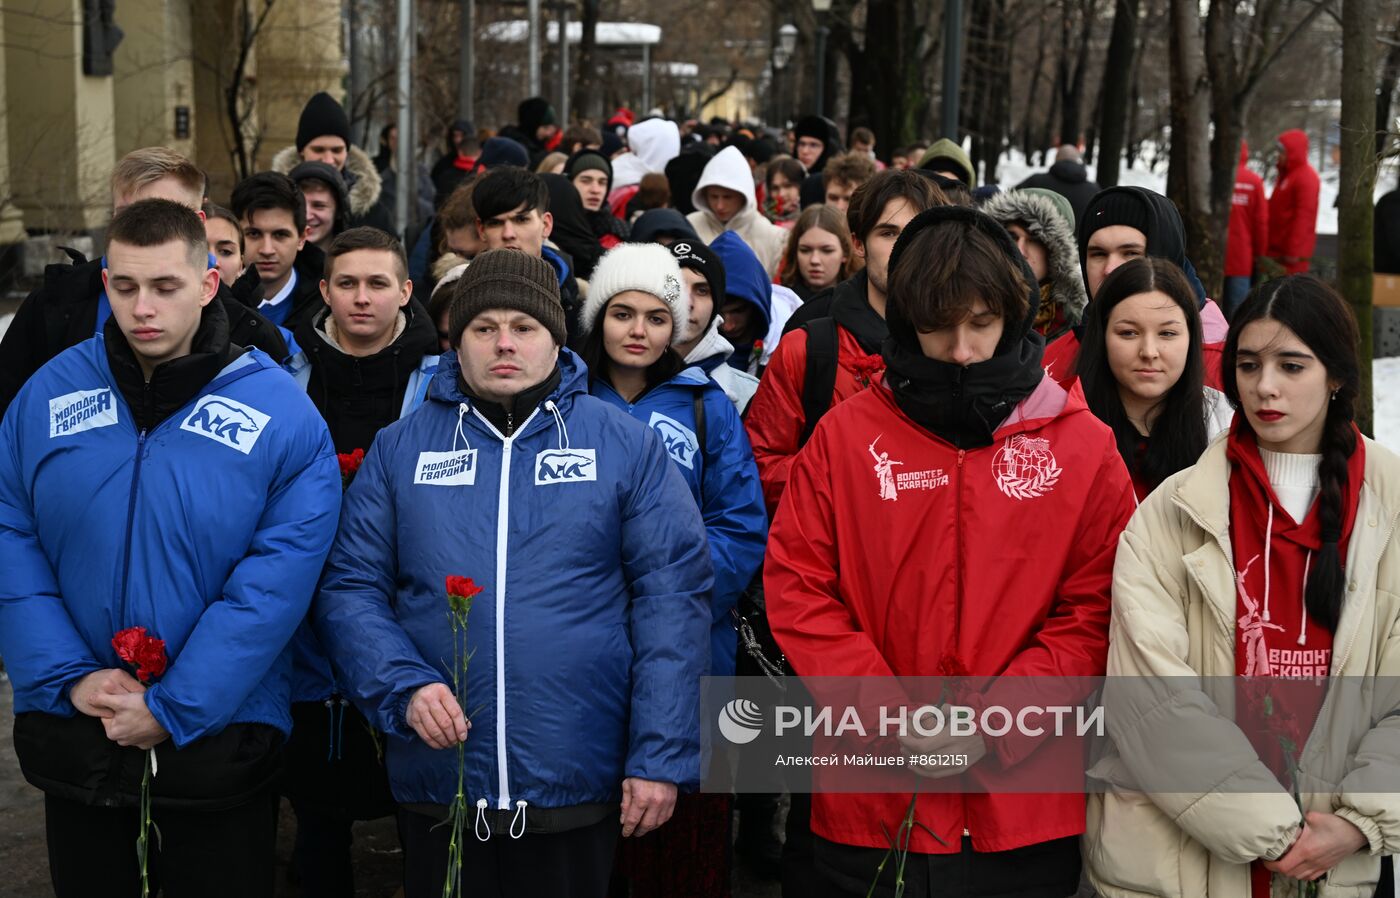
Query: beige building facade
{"points": [[61, 130]]}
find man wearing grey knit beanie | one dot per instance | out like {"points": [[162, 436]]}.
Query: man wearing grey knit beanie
{"points": [[592, 627]]}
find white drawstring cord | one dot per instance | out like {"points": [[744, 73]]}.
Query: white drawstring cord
{"points": [[481, 821], [1303, 627], [520, 807], [561, 429], [462, 409], [1268, 544]]}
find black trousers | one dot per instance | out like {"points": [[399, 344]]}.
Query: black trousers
{"points": [[576, 863], [1046, 870], [201, 854]]}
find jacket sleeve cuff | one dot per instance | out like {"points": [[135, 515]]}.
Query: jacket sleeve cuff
{"points": [[163, 717], [1368, 828]]}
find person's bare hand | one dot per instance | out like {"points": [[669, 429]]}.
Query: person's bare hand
{"points": [[1326, 841], [646, 805], [942, 754], [131, 722], [436, 717], [111, 681]]}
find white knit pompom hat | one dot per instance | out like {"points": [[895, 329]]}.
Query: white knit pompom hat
{"points": [[648, 267]]}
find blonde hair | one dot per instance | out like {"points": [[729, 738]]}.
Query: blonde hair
{"points": [[551, 164], [151, 164]]}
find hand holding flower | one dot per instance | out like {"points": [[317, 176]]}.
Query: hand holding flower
{"points": [[436, 717], [111, 681], [131, 722], [1326, 841]]}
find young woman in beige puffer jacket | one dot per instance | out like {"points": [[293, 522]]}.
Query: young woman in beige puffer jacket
{"points": [[1189, 808]]}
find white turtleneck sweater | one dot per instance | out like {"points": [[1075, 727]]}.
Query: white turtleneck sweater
{"points": [[1295, 480]]}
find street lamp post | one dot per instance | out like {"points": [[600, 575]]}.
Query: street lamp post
{"points": [[822, 8], [782, 54]]}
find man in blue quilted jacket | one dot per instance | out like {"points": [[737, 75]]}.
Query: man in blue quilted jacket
{"points": [[590, 637], [158, 476]]}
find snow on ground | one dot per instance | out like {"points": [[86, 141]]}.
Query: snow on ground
{"points": [[1385, 387], [5, 322]]}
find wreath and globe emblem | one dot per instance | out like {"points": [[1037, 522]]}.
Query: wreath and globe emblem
{"points": [[1025, 468]]}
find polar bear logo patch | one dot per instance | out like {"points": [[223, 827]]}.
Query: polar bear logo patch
{"points": [[226, 421]]}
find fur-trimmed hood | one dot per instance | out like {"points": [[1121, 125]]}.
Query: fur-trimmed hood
{"points": [[359, 167], [1048, 226]]}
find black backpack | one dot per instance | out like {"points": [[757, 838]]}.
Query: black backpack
{"points": [[819, 380]]}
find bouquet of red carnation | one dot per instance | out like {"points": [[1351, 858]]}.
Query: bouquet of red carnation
{"points": [[349, 464], [460, 592], [148, 660]]}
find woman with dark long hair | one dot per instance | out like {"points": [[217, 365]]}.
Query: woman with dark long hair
{"points": [[1247, 589], [1142, 371], [637, 306]]}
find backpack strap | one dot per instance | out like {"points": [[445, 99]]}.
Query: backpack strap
{"points": [[819, 380]]}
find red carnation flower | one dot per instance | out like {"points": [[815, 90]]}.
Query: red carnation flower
{"points": [[144, 653], [868, 369], [349, 464], [460, 592]]}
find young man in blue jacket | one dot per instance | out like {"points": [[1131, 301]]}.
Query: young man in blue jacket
{"points": [[590, 638], [158, 476], [367, 357]]}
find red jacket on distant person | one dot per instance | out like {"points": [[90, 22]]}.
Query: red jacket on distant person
{"points": [[1293, 205], [893, 552], [1249, 221]]}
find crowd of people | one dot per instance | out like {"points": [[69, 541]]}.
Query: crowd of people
{"points": [[648, 386]]}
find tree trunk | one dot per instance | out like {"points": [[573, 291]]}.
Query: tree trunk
{"points": [[1188, 178], [1027, 145], [1047, 134], [1091, 134], [1000, 104], [1229, 108], [1355, 214], [1117, 82], [1071, 110], [1385, 94], [585, 98], [893, 87]]}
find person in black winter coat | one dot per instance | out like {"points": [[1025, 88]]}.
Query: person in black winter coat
{"points": [[70, 305], [537, 129], [1387, 233], [323, 135], [1069, 178], [457, 162]]}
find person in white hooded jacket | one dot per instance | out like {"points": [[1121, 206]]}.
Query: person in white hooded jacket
{"points": [[724, 201], [653, 143]]}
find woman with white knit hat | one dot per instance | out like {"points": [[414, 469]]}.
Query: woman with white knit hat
{"points": [[637, 306]]}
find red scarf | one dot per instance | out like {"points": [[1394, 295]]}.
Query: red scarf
{"points": [[1280, 652]]}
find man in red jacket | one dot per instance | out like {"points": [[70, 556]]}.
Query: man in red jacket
{"points": [[1293, 205], [892, 556], [1249, 232], [848, 319]]}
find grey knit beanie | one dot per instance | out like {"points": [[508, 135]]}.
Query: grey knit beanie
{"points": [[508, 279]]}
